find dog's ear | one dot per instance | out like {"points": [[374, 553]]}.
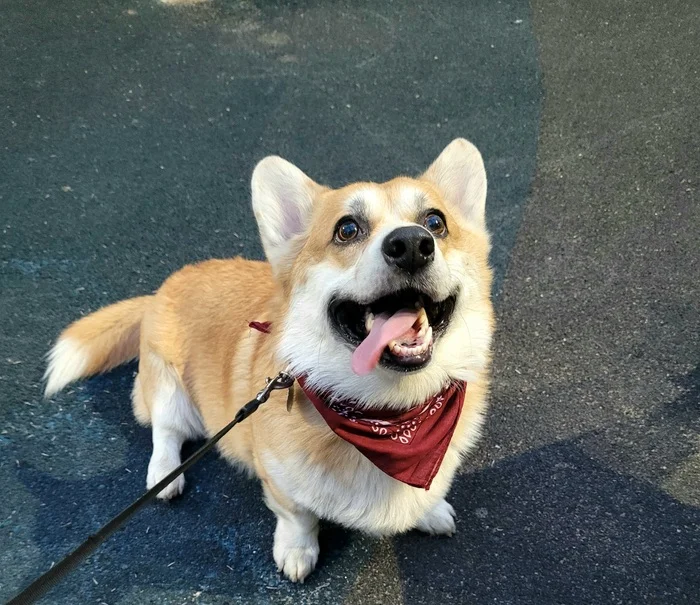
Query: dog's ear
{"points": [[282, 200], [460, 176]]}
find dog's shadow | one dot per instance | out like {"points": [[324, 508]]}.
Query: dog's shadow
{"points": [[555, 526]]}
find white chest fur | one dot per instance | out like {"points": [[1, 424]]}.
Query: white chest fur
{"points": [[355, 493]]}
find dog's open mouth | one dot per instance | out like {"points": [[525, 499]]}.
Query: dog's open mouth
{"points": [[397, 331]]}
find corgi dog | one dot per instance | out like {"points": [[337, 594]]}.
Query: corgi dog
{"points": [[376, 297]]}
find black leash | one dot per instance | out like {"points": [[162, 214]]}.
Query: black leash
{"points": [[45, 582]]}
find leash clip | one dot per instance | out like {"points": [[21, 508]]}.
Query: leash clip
{"points": [[278, 383]]}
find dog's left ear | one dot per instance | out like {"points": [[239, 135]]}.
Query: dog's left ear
{"points": [[460, 176], [282, 200]]}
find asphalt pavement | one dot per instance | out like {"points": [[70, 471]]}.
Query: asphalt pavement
{"points": [[128, 132]]}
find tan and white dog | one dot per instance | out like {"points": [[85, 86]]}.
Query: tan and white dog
{"points": [[341, 262]]}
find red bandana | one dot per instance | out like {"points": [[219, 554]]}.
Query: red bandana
{"points": [[408, 446]]}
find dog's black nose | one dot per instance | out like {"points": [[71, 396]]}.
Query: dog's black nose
{"points": [[409, 248]]}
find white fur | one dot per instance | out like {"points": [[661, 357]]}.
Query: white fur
{"points": [[67, 361], [439, 520], [372, 197], [295, 549], [174, 420], [296, 546], [406, 204]]}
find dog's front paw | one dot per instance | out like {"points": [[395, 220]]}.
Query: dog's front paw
{"points": [[439, 521], [296, 562], [159, 469], [296, 546]]}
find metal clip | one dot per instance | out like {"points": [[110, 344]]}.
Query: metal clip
{"points": [[280, 382]]}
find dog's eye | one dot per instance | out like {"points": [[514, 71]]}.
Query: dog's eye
{"points": [[347, 230], [435, 224]]}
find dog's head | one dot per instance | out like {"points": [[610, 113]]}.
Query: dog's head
{"points": [[386, 286]]}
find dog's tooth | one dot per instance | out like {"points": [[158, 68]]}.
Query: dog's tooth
{"points": [[369, 321], [417, 346], [423, 319]]}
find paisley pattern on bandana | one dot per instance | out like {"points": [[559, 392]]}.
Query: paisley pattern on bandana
{"points": [[400, 431], [408, 446]]}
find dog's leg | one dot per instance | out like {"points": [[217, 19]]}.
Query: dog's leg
{"points": [[296, 537], [439, 520], [174, 420], [165, 459]]}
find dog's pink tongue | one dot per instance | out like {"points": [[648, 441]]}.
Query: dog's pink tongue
{"points": [[384, 330]]}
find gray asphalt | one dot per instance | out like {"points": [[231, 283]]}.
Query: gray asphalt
{"points": [[127, 137]]}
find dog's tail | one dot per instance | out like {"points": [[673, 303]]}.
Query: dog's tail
{"points": [[96, 343]]}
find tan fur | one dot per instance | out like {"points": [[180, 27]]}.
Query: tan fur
{"points": [[108, 338], [194, 344]]}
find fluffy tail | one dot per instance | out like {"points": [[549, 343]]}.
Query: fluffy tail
{"points": [[96, 343]]}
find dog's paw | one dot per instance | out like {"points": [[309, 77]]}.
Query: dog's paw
{"points": [[158, 470], [296, 562], [439, 521], [296, 548]]}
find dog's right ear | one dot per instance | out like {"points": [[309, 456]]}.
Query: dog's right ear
{"points": [[282, 200]]}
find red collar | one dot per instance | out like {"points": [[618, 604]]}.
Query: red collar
{"points": [[408, 446]]}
